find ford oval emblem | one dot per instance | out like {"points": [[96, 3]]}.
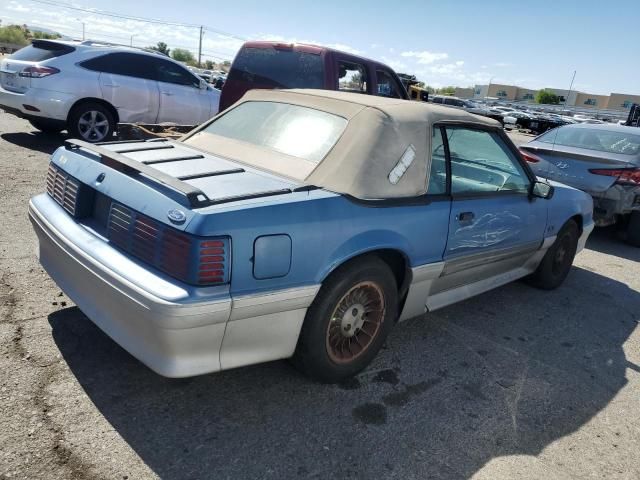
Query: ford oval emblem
{"points": [[176, 216]]}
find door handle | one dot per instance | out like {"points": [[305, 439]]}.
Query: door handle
{"points": [[465, 217], [168, 94], [111, 85]]}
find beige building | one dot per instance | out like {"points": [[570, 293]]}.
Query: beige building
{"points": [[590, 100], [614, 101], [464, 92], [622, 101]]}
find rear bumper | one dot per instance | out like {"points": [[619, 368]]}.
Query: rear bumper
{"points": [[50, 104], [175, 329], [617, 200]]}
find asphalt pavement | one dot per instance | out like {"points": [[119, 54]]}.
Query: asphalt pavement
{"points": [[517, 383]]}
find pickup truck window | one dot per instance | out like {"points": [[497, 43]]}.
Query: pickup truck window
{"points": [[290, 129], [352, 77], [278, 68], [387, 85]]}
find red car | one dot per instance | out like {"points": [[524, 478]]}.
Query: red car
{"points": [[271, 65]]}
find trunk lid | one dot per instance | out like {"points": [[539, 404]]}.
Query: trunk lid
{"points": [[571, 165]]}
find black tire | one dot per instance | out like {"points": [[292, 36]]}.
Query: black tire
{"points": [[556, 263], [80, 122], [322, 352], [47, 126], [633, 229]]}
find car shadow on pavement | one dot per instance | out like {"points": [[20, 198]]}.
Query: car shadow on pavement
{"points": [[40, 141], [610, 241], [504, 373]]}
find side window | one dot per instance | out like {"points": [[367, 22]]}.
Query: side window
{"points": [[437, 100], [438, 175], [169, 72], [352, 77], [122, 63], [387, 85], [482, 162]]}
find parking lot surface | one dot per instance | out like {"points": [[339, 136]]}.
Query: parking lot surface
{"points": [[516, 383]]}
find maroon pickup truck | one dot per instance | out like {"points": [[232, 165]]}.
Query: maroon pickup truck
{"points": [[270, 65]]}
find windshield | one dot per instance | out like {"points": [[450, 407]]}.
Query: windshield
{"points": [[594, 139], [290, 129]]}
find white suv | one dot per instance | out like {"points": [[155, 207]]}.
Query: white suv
{"points": [[88, 87]]}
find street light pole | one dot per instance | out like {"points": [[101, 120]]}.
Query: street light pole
{"points": [[131, 41], [200, 47]]}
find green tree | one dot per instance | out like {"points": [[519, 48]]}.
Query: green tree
{"points": [[209, 65], [45, 36], [13, 34], [160, 47], [447, 90], [182, 55], [547, 97]]}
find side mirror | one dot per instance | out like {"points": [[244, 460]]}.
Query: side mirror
{"points": [[542, 190], [203, 84]]}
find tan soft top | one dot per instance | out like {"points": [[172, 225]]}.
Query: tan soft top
{"points": [[380, 134]]}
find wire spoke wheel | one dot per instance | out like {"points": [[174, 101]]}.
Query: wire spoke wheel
{"points": [[355, 322]]}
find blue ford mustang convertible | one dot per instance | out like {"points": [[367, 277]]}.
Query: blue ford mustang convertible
{"points": [[299, 224]]}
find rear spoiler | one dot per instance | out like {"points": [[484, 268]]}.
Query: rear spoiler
{"points": [[195, 196]]}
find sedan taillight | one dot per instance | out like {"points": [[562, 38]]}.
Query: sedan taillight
{"points": [[529, 157], [626, 176], [38, 72]]}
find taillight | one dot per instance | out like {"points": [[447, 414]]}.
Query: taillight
{"points": [[529, 157], [38, 72], [213, 262], [626, 176]]}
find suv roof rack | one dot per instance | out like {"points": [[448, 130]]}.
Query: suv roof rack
{"points": [[111, 44]]}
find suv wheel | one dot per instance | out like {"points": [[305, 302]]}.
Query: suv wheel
{"points": [[91, 122], [348, 321]]}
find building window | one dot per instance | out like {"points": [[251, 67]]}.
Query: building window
{"points": [[627, 104], [477, 91], [590, 101], [501, 93], [527, 96]]}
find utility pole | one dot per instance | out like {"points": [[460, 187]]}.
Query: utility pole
{"points": [[200, 46], [131, 42], [570, 87]]}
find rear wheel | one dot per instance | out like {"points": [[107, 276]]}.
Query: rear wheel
{"points": [[47, 126], [348, 321], [91, 122], [557, 262], [633, 229]]}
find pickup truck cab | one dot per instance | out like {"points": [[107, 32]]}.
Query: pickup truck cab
{"points": [[276, 65]]}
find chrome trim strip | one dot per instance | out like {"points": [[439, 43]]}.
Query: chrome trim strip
{"points": [[465, 262]]}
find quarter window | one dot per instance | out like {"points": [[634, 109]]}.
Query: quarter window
{"points": [[352, 77], [387, 86], [482, 163], [438, 176]]}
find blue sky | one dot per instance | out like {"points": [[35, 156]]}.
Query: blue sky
{"points": [[532, 44]]}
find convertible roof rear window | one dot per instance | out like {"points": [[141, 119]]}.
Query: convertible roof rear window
{"points": [[594, 139], [290, 129]]}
